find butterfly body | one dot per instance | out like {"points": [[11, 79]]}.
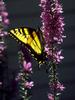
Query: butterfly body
{"points": [[31, 39]]}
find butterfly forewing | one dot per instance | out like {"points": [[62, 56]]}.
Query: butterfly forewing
{"points": [[28, 36]]}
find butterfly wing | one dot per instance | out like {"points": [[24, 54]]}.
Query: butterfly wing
{"points": [[31, 39]]}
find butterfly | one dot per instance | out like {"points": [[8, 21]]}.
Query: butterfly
{"points": [[32, 40]]}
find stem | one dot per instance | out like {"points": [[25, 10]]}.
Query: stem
{"points": [[54, 80], [53, 69]]}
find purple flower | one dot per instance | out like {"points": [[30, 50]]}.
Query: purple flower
{"points": [[60, 86], [6, 21], [58, 57], [27, 66], [57, 86], [50, 96], [0, 83], [4, 14], [1, 3], [52, 27], [3, 33], [29, 85]]}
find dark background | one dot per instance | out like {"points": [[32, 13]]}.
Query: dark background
{"points": [[26, 13]]}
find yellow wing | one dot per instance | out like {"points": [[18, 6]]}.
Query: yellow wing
{"points": [[28, 37]]}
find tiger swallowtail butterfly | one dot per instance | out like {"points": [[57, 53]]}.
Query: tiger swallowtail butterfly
{"points": [[32, 40]]}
